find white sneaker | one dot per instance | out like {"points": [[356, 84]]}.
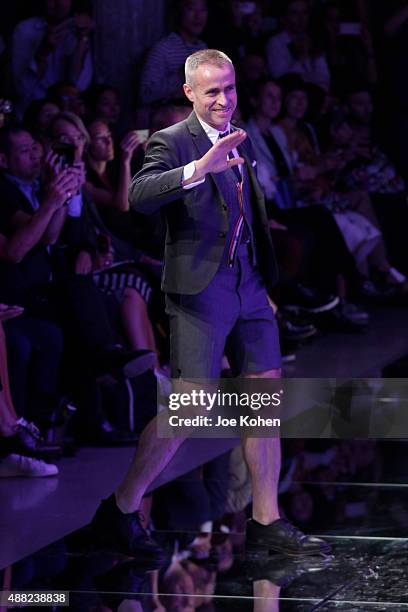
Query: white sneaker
{"points": [[18, 465]]}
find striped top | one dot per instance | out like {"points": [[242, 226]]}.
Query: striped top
{"points": [[163, 72]]}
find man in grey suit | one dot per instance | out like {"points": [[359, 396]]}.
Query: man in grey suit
{"points": [[219, 262]]}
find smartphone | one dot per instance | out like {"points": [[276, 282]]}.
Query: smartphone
{"points": [[65, 153], [142, 135]]}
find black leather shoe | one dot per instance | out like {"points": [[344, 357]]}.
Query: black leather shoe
{"points": [[27, 440], [123, 533], [282, 537]]}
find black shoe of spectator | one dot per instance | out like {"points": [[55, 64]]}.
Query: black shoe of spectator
{"points": [[121, 363], [282, 537], [378, 292], [123, 533], [348, 317], [27, 440], [298, 298], [291, 330]]}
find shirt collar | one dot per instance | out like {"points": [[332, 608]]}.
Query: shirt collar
{"points": [[211, 132], [21, 184]]}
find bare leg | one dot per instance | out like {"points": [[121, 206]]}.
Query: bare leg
{"points": [[8, 416], [136, 322], [263, 457], [266, 596], [152, 456]]}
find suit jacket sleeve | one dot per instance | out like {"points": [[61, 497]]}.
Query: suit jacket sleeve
{"points": [[159, 181]]}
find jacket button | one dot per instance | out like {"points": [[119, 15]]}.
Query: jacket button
{"points": [[222, 234], [224, 207]]}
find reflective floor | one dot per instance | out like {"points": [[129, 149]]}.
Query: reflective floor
{"points": [[362, 574], [368, 569]]}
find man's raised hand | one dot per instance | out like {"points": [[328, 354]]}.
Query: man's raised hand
{"points": [[216, 159]]}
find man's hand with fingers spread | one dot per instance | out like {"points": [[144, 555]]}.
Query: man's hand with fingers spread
{"points": [[216, 159]]}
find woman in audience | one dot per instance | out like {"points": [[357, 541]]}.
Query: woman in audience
{"points": [[97, 251], [329, 262], [316, 176]]}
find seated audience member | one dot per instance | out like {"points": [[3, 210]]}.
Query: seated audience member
{"points": [[103, 102], [329, 261], [17, 436], [67, 97], [38, 116], [294, 51], [236, 27], [316, 178], [373, 170], [32, 214], [51, 48], [96, 251], [367, 167], [252, 69], [29, 225], [107, 190], [162, 75], [348, 54], [108, 178]]}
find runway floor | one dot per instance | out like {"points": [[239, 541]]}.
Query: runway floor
{"points": [[367, 571], [45, 546]]}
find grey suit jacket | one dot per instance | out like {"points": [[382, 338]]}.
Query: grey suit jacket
{"points": [[197, 218]]}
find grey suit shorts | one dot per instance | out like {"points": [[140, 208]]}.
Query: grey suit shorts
{"points": [[231, 315]]}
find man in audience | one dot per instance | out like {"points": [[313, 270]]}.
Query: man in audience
{"points": [[49, 49], [162, 74], [29, 225], [293, 49], [32, 215]]}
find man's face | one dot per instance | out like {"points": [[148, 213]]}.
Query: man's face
{"points": [[297, 17], [58, 10], [24, 158], [361, 107], [213, 94], [194, 16], [270, 100]]}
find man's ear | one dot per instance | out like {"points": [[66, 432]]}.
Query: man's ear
{"points": [[188, 92], [3, 161]]}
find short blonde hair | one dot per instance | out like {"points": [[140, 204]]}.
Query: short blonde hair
{"points": [[74, 120], [206, 56]]}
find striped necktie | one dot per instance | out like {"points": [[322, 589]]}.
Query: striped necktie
{"points": [[235, 169]]}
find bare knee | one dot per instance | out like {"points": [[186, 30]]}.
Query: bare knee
{"points": [[131, 295], [274, 373]]}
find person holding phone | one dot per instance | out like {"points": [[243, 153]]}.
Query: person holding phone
{"points": [[51, 48]]}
